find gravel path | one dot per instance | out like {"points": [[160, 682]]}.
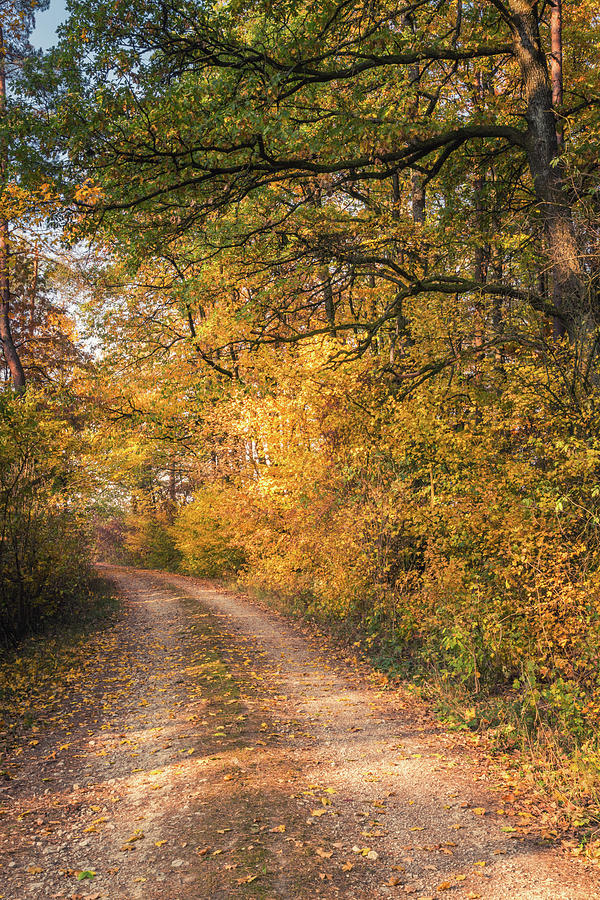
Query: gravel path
{"points": [[224, 753]]}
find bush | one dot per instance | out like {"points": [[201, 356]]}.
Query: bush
{"points": [[44, 546], [206, 536], [149, 542]]}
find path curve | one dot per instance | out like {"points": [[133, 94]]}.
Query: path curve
{"points": [[254, 765]]}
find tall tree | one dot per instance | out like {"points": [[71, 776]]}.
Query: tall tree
{"points": [[17, 19], [345, 96]]}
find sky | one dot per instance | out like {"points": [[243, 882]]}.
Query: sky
{"points": [[44, 35]]}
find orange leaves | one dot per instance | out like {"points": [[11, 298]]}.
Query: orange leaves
{"points": [[88, 193]]}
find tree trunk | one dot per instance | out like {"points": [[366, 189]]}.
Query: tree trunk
{"points": [[556, 75], [569, 292], [328, 297], [11, 354], [481, 255], [556, 61], [33, 291]]}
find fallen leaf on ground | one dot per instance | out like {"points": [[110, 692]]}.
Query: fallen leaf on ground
{"points": [[87, 873], [136, 836]]}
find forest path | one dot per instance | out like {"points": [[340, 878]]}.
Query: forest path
{"points": [[210, 749]]}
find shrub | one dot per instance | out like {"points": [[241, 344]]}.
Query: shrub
{"points": [[206, 535], [44, 545], [149, 542]]}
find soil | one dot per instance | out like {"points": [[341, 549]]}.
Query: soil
{"points": [[210, 748]]}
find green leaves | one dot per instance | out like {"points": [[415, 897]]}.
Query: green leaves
{"points": [[85, 875]]}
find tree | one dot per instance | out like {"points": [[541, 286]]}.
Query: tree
{"points": [[290, 105], [17, 19]]}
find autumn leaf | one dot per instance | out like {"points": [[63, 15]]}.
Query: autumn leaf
{"points": [[136, 836]]}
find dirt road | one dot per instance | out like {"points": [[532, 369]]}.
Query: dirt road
{"points": [[210, 749]]}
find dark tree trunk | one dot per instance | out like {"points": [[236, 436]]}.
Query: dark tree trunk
{"points": [[548, 178], [556, 75], [481, 256], [11, 354]]}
